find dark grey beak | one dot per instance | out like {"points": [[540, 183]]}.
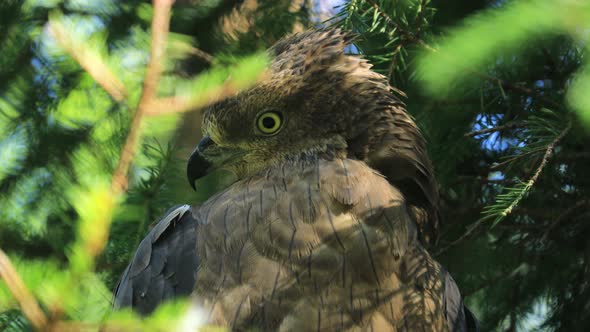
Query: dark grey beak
{"points": [[198, 166]]}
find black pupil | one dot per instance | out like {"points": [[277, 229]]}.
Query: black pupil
{"points": [[268, 122]]}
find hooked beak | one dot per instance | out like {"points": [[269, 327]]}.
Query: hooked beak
{"points": [[198, 166]]}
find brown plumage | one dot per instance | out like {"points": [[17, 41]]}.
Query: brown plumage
{"points": [[326, 227]]}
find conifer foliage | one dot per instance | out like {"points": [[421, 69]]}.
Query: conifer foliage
{"points": [[99, 108]]}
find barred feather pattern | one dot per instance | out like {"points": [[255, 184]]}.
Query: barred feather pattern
{"points": [[316, 246]]}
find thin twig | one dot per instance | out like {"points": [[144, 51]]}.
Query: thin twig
{"points": [[511, 125], [201, 54], [28, 304], [511, 86], [409, 36], [417, 22], [505, 275], [180, 104], [160, 24], [548, 153], [514, 158], [393, 63], [91, 62], [470, 229], [564, 216], [406, 34], [533, 179], [477, 179]]}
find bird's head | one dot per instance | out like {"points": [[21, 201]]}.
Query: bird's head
{"points": [[317, 101]]}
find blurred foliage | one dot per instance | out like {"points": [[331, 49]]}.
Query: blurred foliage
{"points": [[496, 86], [517, 25]]}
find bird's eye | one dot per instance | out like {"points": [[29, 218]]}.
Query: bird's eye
{"points": [[269, 122]]}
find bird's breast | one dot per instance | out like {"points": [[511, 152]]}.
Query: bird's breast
{"points": [[326, 233]]}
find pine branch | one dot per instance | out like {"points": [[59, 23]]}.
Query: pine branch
{"points": [[182, 104], [160, 24], [393, 62], [512, 159], [406, 34], [13, 320], [507, 85], [531, 182], [513, 197], [201, 54], [511, 125], [88, 60], [28, 304], [419, 17]]}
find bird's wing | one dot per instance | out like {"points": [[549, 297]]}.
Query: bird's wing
{"points": [[459, 318], [432, 291], [430, 281], [164, 265]]}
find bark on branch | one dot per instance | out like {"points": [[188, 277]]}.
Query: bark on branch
{"points": [[28, 304], [91, 62], [160, 24], [507, 126]]}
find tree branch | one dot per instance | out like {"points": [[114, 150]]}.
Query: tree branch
{"points": [[515, 87], [28, 304], [483, 285], [180, 104], [515, 157], [548, 153], [160, 24], [201, 54], [406, 34], [89, 61], [535, 177], [511, 125], [419, 17]]}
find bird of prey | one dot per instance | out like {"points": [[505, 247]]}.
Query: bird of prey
{"points": [[327, 226]]}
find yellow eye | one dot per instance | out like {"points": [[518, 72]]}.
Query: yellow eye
{"points": [[269, 122]]}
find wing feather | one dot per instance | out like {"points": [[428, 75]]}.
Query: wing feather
{"points": [[164, 265]]}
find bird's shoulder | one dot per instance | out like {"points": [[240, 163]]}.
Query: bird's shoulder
{"points": [[164, 264]]}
